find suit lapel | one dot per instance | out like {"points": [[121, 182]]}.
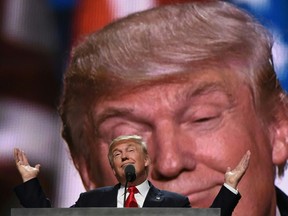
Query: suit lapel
{"points": [[154, 197], [106, 197], [112, 196]]}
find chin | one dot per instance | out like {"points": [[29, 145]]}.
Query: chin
{"points": [[202, 199]]}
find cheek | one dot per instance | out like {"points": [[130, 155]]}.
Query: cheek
{"points": [[117, 163], [226, 146], [100, 169]]}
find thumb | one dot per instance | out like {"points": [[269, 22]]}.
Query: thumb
{"points": [[38, 167], [228, 169]]}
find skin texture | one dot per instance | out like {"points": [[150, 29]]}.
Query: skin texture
{"points": [[194, 130]]}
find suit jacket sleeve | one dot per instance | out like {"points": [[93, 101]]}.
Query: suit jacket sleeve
{"points": [[31, 195], [226, 201]]}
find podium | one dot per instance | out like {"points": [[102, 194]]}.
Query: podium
{"points": [[115, 211]]}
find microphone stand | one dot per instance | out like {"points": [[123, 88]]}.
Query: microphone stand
{"points": [[125, 191]]}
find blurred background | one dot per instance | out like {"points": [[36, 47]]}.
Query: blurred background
{"points": [[35, 40]]}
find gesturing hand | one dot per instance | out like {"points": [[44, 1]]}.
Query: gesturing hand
{"points": [[26, 171], [233, 177]]}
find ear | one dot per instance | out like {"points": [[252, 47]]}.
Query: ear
{"points": [[280, 142], [113, 171], [280, 146], [147, 161], [82, 168]]}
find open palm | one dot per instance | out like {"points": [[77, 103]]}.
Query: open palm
{"points": [[233, 177], [26, 171]]}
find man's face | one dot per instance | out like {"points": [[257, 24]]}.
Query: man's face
{"points": [[127, 152], [194, 130]]}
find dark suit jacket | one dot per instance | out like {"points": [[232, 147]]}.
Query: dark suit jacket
{"points": [[31, 195], [282, 202]]}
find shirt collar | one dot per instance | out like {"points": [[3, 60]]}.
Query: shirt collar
{"points": [[142, 188]]}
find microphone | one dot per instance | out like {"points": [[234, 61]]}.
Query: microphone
{"points": [[130, 173]]}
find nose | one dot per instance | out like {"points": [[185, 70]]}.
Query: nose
{"points": [[124, 156], [171, 152]]}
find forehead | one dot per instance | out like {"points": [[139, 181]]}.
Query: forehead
{"points": [[178, 86], [123, 144], [127, 86], [226, 78]]}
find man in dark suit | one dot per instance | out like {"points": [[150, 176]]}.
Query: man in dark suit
{"points": [[123, 151]]}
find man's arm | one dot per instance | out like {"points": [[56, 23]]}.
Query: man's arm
{"points": [[31, 195], [30, 192]]}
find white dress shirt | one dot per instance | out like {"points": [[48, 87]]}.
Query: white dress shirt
{"points": [[140, 197]]}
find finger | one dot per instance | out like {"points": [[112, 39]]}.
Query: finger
{"points": [[38, 167], [228, 169], [243, 164], [16, 158], [245, 160], [24, 158], [20, 155]]}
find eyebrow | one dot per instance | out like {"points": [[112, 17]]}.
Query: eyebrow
{"points": [[117, 149], [187, 94], [111, 112], [207, 88]]}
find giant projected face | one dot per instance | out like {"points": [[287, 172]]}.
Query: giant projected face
{"points": [[171, 168], [194, 129]]}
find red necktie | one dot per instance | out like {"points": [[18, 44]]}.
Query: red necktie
{"points": [[131, 201]]}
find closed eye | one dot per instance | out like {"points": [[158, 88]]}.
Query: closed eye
{"points": [[131, 149], [204, 119], [116, 154]]}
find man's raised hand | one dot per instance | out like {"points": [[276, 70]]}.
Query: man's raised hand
{"points": [[26, 171], [233, 177]]}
